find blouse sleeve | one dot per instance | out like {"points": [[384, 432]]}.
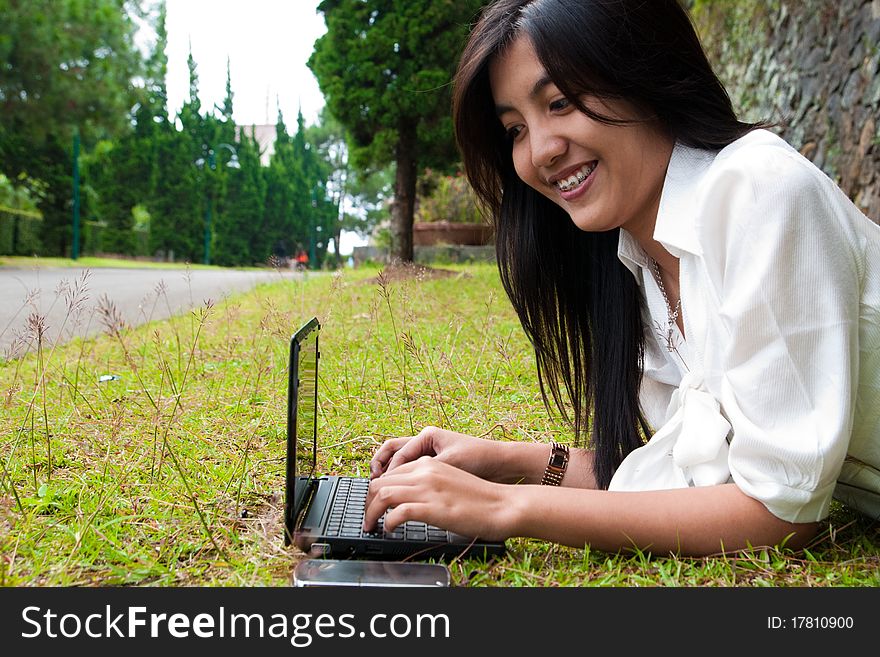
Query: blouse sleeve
{"points": [[787, 274]]}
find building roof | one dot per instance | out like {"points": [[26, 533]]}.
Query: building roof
{"points": [[265, 136]]}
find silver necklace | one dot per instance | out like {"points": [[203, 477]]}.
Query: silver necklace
{"points": [[671, 313]]}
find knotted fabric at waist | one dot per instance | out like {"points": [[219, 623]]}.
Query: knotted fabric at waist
{"points": [[690, 449]]}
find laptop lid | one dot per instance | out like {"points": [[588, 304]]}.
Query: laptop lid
{"points": [[302, 423], [304, 490]]}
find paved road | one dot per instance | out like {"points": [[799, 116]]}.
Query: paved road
{"points": [[138, 294]]}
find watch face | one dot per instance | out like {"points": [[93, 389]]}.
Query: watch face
{"points": [[558, 457], [556, 465]]}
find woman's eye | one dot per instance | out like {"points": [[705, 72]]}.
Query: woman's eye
{"points": [[513, 132], [561, 104]]}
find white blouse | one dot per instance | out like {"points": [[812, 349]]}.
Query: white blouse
{"points": [[776, 383]]}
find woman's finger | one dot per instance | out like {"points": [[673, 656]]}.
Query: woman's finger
{"points": [[382, 457], [415, 448]]}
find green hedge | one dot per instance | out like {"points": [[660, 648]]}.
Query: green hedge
{"points": [[19, 234]]}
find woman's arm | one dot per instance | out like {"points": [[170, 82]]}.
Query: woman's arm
{"points": [[688, 521], [507, 462]]}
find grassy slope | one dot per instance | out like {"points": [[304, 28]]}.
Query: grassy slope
{"points": [[172, 473], [21, 262]]}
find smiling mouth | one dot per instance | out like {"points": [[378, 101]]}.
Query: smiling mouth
{"points": [[575, 179]]}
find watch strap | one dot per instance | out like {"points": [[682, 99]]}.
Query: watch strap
{"points": [[556, 465]]}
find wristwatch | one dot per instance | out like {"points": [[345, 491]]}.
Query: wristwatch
{"points": [[556, 465]]}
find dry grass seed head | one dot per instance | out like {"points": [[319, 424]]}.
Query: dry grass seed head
{"points": [[18, 346], [36, 327], [276, 263], [31, 298], [110, 316], [75, 297]]}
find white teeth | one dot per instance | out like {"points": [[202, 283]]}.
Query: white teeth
{"points": [[575, 179]]}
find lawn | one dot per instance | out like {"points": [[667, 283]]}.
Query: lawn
{"points": [[93, 262], [155, 455]]}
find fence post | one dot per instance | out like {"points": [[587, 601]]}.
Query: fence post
{"points": [[75, 248]]}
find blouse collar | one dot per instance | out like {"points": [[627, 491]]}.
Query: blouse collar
{"points": [[676, 225]]}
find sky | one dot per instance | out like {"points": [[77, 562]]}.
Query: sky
{"points": [[267, 44]]}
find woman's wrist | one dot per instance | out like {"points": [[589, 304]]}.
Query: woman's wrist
{"points": [[520, 462], [514, 518]]}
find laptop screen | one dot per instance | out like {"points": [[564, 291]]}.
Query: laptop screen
{"points": [[302, 421]]}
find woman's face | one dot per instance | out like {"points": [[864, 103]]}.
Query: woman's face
{"points": [[603, 176]]}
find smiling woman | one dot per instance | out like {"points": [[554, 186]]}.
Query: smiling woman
{"points": [[557, 149], [697, 294]]}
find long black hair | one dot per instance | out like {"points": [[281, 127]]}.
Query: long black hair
{"points": [[578, 304]]}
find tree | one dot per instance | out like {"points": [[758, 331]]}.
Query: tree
{"points": [[122, 172], [283, 176], [112, 170], [321, 213], [385, 67], [235, 183], [331, 152], [66, 67], [236, 230], [176, 205]]}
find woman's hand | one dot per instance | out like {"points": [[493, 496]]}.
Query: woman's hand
{"points": [[435, 492], [477, 456]]}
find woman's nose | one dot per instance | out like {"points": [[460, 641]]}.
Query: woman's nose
{"points": [[546, 147]]}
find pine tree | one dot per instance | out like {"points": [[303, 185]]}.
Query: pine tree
{"points": [[227, 101], [237, 226], [123, 173], [311, 204], [176, 208], [113, 170], [280, 237]]}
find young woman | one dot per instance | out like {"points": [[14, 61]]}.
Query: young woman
{"points": [[700, 297]]}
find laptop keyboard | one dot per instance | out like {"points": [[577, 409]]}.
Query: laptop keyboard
{"points": [[347, 517]]}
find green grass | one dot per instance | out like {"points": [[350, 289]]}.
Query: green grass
{"points": [[91, 262], [171, 474]]}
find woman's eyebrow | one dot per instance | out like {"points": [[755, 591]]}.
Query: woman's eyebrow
{"points": [[537, 88]]}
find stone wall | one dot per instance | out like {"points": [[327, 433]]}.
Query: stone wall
{"points": [[812, 67]]}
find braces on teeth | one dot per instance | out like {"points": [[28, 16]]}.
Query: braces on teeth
{"points": [[573, 181]]}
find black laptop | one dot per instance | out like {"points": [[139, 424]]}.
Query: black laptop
{"points": [[323, 516]]}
